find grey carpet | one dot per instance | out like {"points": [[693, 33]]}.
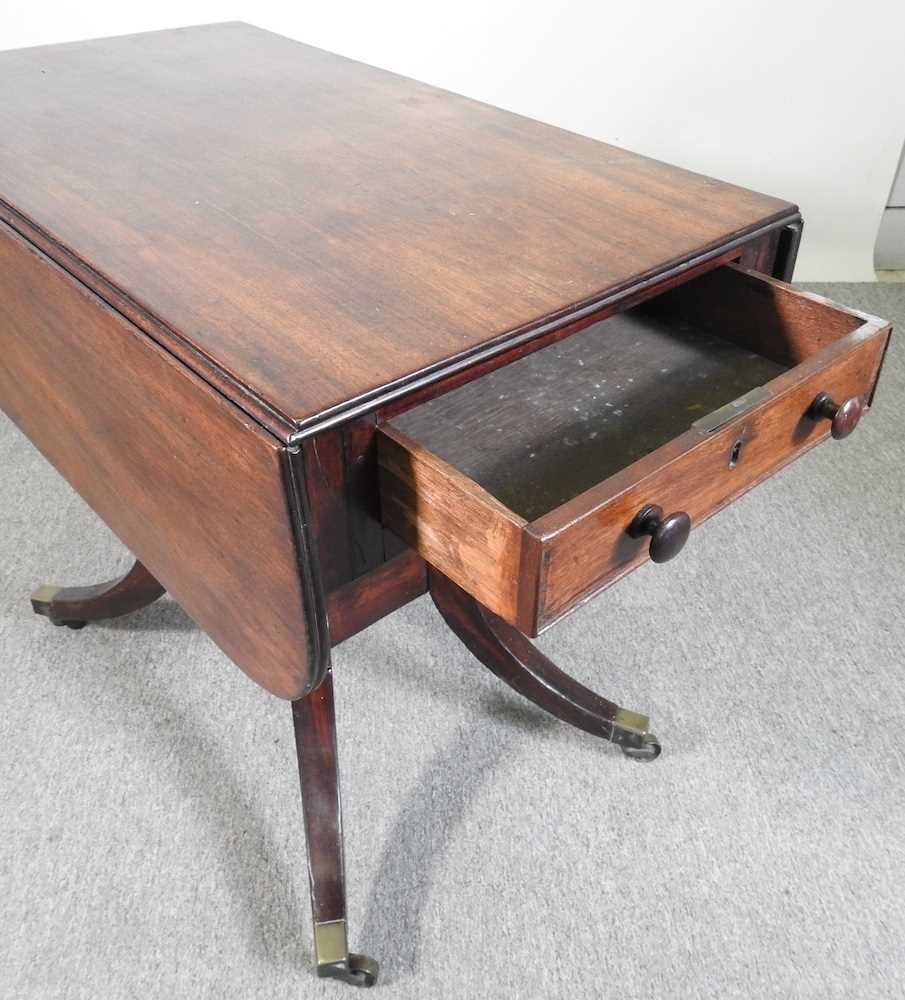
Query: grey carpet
{"points": [[150, 835]]}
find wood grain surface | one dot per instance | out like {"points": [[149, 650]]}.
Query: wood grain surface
{"points": [[761, 312], [585, 543], [365, 600], [546, 428], [454, 524], [532, 571], [306, 231], [188, 482]]}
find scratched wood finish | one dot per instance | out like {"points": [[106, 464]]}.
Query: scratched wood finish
{"points": [[130, 592], [585, 543], [314, 725], [548, 427], [520, 664], [306, 231], [760, 255], [453, 523], [188, 482], [752, 253], [356, 554], [365, 600], [761, 313], [544, 567]]}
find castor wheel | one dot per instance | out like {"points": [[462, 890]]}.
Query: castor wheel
{"points": [[358, 971], [74, 607], [363, 970], [646, 748]]}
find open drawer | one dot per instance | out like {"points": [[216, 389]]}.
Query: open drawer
{"points": [[537, 485]]}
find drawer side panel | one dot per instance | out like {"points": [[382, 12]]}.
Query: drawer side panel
{"points": [[453, 524]]}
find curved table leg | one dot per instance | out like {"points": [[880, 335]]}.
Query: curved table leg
{"points": [[76, 606], [518, 662]]}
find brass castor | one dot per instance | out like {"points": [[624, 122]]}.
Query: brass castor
{"points": [[359, 970], [646, 748], [74, 607]]}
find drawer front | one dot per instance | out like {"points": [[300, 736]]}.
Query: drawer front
{"points": [[191, 486], [585, 543], [532, 571]]}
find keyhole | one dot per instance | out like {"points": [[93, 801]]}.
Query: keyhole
{"points": [[735, 454]]}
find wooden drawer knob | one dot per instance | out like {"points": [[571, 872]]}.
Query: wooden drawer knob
{"points": [[668, 534], [845, 416]]}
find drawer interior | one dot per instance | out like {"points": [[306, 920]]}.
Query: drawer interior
{"points": [[523, 485], [553, 424]]}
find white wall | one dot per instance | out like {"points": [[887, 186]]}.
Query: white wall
{"points": [[795, 98]]}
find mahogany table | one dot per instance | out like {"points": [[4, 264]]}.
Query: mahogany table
{"points": [[312, 338]]}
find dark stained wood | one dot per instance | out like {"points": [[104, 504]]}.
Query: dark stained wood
{"points": [[314, 723], [188, 482], [325, 479], [782, 264], [752, 250], [306, 231], [367, 537], [228, 258], [668, 532], [345, 501], [760, 255], [454, 524], [506, 652], [555, 423], [759, 314], [585, 543], [340, 471], [844, 417], [130, 592], [361, 602], [531, 572]]}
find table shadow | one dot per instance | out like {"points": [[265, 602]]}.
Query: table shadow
{"points": [[425, 827], [274, 907], [272, 901], [164, 615]]}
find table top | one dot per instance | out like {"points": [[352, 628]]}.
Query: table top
{"points": [[309, 232]]}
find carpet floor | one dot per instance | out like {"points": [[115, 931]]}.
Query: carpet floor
{"points": [[150, 832]]}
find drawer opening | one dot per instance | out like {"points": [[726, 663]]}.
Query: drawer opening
{"points": [[522, 486], [551, 425]]}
